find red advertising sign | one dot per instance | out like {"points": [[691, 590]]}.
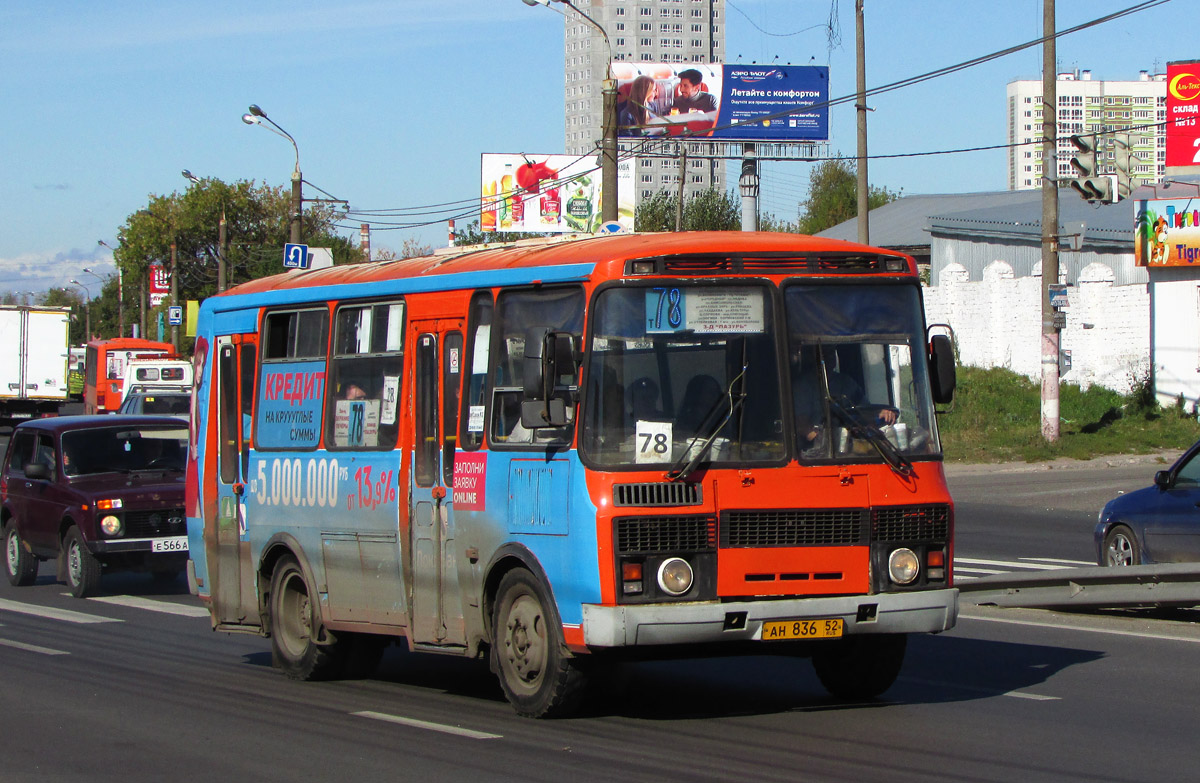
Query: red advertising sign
{"points": [[160, 284], [470, 481], [1183, 114]]}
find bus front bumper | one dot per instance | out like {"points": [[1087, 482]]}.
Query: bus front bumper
{"points": [[924, 611]]}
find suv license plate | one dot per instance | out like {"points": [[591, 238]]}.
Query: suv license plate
{"points": [[774, 630], [174, 544]]}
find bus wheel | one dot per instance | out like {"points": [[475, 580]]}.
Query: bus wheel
{"points": [[539, 676], [294, 625], [20, 565], [83, 569], [860, 667]]}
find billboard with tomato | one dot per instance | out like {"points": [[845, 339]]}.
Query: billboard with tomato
{"points": [[555, 194], [1183, 115]]}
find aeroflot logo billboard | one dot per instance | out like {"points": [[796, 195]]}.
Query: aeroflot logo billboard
{"points": [[729, 102]]}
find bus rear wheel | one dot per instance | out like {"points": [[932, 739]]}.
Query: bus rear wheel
{"points": [[860, 667], [539, 676], [295, 625]]}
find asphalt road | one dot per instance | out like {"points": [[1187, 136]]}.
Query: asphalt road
{"points": [[133, 686]]}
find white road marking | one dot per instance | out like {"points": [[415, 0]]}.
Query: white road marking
{"points": [[31, 647], [150, 604], [960, 570], [1066, 627], [421, 724], [980, 690], [1058, 560], [1006, 563], [66, 615]]}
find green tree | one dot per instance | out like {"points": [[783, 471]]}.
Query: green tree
{"points": [[833, 196], [257, 227], [471, 235], [708, 210]]}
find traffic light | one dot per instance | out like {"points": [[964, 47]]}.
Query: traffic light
{"points": [[1090, 185], [1124, 160], [1085, 160]]}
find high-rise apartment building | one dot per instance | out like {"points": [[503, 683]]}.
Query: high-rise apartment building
{"points": [[670, 31], [1087, 106]]}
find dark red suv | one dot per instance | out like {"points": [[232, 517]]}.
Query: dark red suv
{"points": [[96, 494]]}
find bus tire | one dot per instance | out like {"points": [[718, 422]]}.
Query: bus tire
{"points": [[860, 667], [539, 676], [83, 569], [295, 625], [20, 564]]}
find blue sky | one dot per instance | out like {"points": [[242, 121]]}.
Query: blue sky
{"points": [[393, 102]]}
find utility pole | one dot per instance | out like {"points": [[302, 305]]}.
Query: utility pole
{"points": [[608, 163], [680, 195], [860, 105], [748, 184], [222, 252], [1050, 336], [174, 293]]}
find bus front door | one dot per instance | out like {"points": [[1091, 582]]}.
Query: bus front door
{"points": [[233, 589], [437, 596]]}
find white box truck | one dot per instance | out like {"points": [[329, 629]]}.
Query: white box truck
{"points": [[33, 361]]}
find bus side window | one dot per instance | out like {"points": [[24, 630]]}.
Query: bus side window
{"points": [[559, 309], [364, 376], [451, 380], [474, 402]]}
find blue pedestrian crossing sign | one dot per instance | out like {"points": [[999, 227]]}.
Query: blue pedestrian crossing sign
{"points": [[295, 256]]}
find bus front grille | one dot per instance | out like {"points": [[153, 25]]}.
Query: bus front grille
{"points": [[793, 527], [665, 534], [674, 493], [911, 523]]}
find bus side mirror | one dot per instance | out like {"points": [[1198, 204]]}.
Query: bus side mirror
{"points": [[942, 379], [549, 355]]}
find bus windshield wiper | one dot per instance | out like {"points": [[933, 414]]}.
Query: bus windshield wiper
{"points": [[864, 431], [707, 437]]}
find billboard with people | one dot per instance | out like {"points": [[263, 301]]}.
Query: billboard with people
{"points": [[729, 102]]}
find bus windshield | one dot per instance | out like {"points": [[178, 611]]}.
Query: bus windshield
{"points": [[680, 371], [858, 371]]}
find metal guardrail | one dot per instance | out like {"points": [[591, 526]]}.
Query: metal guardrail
{"points": [[1170, 584]]}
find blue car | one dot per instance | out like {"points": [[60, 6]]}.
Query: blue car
{"points": [[1158, 524]]}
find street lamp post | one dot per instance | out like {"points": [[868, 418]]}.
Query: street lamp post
{"points": [[608, 142], [222, 236], [120, 289], [87, 310], [255, 117]]}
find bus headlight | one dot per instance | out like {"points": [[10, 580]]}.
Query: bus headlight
{"points": [[111, 525], [675, 576], [903, 566]]}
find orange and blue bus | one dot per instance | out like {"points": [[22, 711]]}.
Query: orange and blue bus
{"points": [[560, 454], [104, 369]]}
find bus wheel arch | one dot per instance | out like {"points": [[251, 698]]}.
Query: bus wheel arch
{"points": [[538, 674]]}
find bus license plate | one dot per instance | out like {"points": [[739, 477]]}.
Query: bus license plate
{"points": [[773, 630], [175, 544]]}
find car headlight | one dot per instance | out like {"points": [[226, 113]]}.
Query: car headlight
{"points": [[675, 576], [903, 566], [111, 525]]}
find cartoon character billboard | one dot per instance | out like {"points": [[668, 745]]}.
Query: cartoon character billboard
{"points": [[729, 102], [1167, 232]]}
